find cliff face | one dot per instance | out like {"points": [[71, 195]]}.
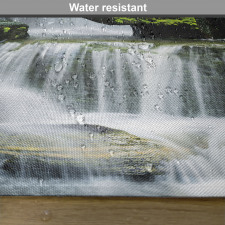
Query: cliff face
{"points": [[12, 30], [187, 28], [183, 27], [182, 31], [212, 27]]}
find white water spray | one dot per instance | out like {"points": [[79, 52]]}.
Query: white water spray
{"points": [[164, 94]]}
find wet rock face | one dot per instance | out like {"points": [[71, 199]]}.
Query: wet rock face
{"points": [[95, 151], [162, 31], [13, 31], [212, 27], [41, 169], [176, 28], [149, 28]]}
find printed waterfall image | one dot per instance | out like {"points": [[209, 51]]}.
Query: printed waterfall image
{"points": [[112, 106]]}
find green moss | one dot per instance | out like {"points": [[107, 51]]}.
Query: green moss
{"points": [[123, 20], [21, 28], [12, 30], [158, 21], [6, 29]]}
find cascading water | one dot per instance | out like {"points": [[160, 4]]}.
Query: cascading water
{"points": [[173, 95]]}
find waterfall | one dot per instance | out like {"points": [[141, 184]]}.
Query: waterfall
{"points": [[171, 80], [173, 94]]}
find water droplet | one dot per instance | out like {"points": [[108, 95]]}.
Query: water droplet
{"points": [[58, 66], [59, 87], [81, 119], [142, 93], [64, 61], [72, 112], [157, 107], [46, 215], [145, 86], [67, 81], [76, 85], [175, 91], [61, 98], [168, 90], [74, 76], [160, 96], [150, 61], [53, 83], [138, 66], [148, 167], [181, 96], [107, 84], [92, 76], [83, 147]]}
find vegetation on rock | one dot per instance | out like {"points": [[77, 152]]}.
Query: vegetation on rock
{"points": [[158, 21], [166, 28], [12, 30]]}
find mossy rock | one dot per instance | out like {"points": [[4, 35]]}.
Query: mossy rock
{"points": [[174, 27], [13, 30], [110, 153]]}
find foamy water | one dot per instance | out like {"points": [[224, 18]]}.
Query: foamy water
{"points": [[161, 94]]}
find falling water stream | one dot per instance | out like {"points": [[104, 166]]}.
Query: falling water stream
{"points": [[170, 94]]}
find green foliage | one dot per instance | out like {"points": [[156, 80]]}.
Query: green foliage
{"points": [[6, 29], [12, 30], [22, 28], [158, 21], [123, 20]]}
